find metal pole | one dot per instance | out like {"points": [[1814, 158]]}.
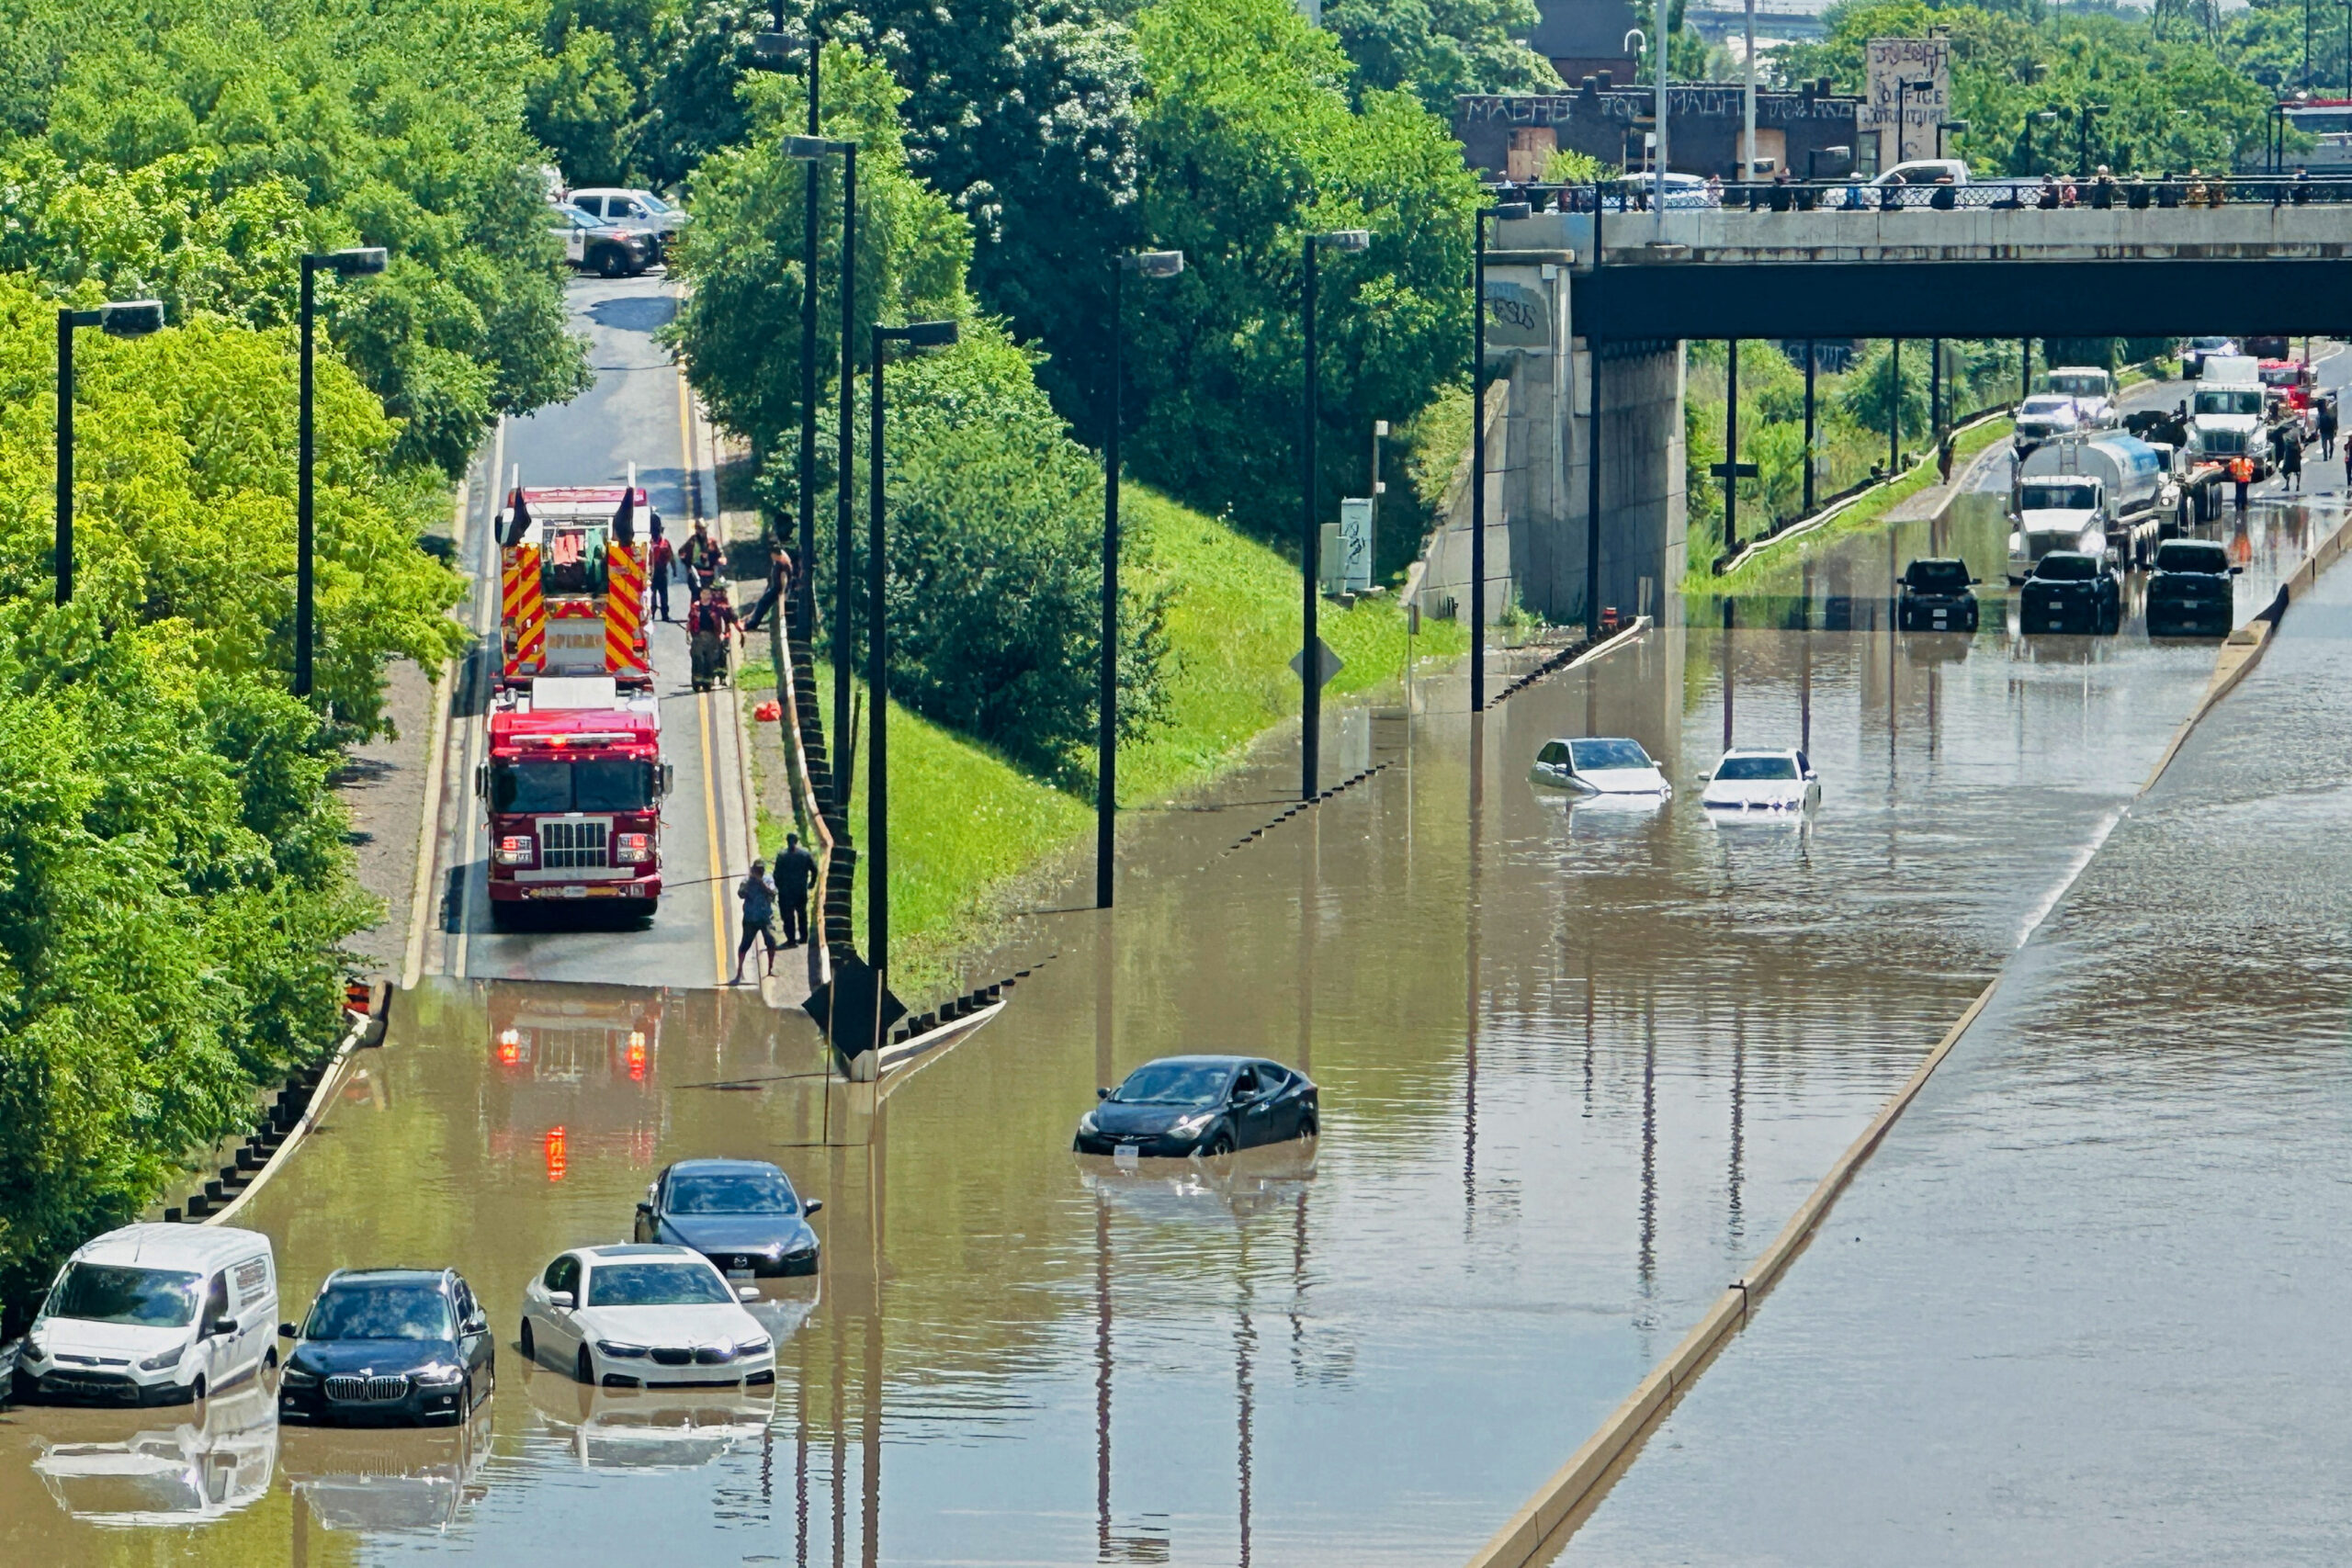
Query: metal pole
{"points": [[1478, 461], [1747, 117], [1935, 390], [877, 701], [1310, 561], [1592, 494], [1731, 444], [807, 586], [2025, 368], [65, 456], [1657, 176], [1894, 405], [845, 511], [1106, 741], [305, 455], [1811, 358]]}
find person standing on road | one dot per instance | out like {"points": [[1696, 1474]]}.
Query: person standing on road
{"points": [[699, 556], [664, 561], [2291, 463], [2327, 427], [2240, 476], [757, 893], [796, 872]]}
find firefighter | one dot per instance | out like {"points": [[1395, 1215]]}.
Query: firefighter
{"points": [[709, 626], [2240, 475], [699, 556], [664, 559]]}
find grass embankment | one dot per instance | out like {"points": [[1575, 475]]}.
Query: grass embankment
{"points": [[968, 826], [1776, 566]]}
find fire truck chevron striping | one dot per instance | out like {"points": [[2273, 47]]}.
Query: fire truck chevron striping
{"points": [[572, 596], [624, 613], [524, 611]]}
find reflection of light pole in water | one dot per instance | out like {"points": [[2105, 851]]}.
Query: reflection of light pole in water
{"points": [[1470, 979], [1646, 1261], [1736, 1225], [1298, 1286], [1804, 669], [1101, 1378], [1309, 882], [1245, 1340], [1727, 673]]}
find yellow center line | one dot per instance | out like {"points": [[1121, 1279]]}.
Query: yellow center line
{"points": [[717, 859]]}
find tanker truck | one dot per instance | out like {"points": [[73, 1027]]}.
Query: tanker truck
{"points": [[2105, 496]]}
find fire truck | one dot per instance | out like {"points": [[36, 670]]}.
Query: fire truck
{"points": [[573, 583], [574, 785]]}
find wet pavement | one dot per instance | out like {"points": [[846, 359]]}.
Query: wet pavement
{"points": [[1576, 1065], [1960, 1370]]}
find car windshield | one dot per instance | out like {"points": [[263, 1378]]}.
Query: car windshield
{"points": [[1174, 1083], [2209, 344], [2079, 385], [682, 1282], [612, 784], [1939, 576], [2229, 399], [2065, 569], [736, 1192], [380, 1312], [2281, 375], [2057, 497], [1736, 768], [2210, 559], [1600, 755], [2046, 406], [659, 207], [106, 1293]]}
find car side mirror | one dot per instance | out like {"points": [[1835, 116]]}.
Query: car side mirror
{"points": [[481, 781], [1974, 582], [2236, 569], [645, 1206], [287, 1331], [1102, 1093], [227, 1325], [812, 1205], [560, 1299], [669, 777], [476, 1324], [747, 1292]]}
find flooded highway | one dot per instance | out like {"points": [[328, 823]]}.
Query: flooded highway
{"points": [[1576, 1065], [1960, 1372]]}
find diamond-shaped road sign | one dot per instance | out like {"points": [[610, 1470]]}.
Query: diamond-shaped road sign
{"points": [[1328, 663]]}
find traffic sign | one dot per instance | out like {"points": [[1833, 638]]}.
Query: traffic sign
{"points": [[1328, 663]]}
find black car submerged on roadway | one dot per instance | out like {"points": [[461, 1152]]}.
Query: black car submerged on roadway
{"points": [[742, 1214], [388, 1347], [1938, 596], [2189, 592], [1201, 1105], [2070, 592]]}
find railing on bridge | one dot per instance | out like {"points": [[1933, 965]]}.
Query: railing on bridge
{"points": [[2007, 194]]}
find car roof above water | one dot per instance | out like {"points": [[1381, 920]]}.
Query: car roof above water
{"points": [[193, 1247]]}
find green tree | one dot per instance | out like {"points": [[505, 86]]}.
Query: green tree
{"points": [[1250, 143], [1439, 51]]}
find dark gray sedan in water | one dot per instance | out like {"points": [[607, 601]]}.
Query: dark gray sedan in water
{"points": [[1200, 1105], [742, 1214]]}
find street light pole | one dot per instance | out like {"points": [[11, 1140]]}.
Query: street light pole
{"points": [[915, 334], [778, 45], [1310, 664], [1150, 264], [345, 263], [812, 148], [120, 318], [1501, 210]]}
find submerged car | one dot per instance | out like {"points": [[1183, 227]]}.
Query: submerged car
{"points": [[1200, 1105], [640, 1316], [2189, 592], [1938, 595], [1598, 764], [154, 1314], [2069, 590], [388, 1347], [1752, 780], [742, 1214]]}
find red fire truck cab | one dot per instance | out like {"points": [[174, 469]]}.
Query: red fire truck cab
{"points": [[574, 787]]}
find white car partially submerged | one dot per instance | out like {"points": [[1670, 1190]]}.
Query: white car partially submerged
{"points": [[1601, 765], [640, 1316], [1749, 779]]}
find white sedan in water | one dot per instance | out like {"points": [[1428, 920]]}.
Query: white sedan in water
{"points": [[639, 1316], [1601, 764], [1749, 779]]}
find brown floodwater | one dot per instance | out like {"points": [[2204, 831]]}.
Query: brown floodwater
{"points": [[1578, 1063]]}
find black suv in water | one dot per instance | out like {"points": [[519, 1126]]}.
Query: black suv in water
{"points": [[2069, 591], [388, 1347], [1936, 597], [2189, 592]]}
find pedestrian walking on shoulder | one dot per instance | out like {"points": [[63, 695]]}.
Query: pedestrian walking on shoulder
{"points": [[664, 562], [2327, 428], [757, 893], [2290, 462], [795, 873]]}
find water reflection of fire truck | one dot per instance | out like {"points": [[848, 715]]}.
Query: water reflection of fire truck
{"points": [[578, 1074]]}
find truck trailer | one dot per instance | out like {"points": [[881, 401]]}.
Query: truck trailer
{"points": [[2105, 496]]}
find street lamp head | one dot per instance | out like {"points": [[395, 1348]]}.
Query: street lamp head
{"points": [[1153, 263], [1346, 239], [130, 317], [804, 148], [774, 48], [923, 335], [361, 261]]}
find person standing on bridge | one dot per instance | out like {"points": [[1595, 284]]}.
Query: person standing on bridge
{"points": [[757, 893], [795, 873]]}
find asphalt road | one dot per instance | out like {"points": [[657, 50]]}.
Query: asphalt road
{"points": [[637, 413]]}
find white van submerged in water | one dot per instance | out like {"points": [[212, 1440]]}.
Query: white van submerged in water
{"points": [[154, 1314]]}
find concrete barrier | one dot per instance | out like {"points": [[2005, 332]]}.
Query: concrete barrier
{"points": [[1540, 1528]]}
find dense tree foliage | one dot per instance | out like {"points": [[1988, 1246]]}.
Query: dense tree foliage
{"points": [[192, 151], [1250, 145], [1437, 51]]}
